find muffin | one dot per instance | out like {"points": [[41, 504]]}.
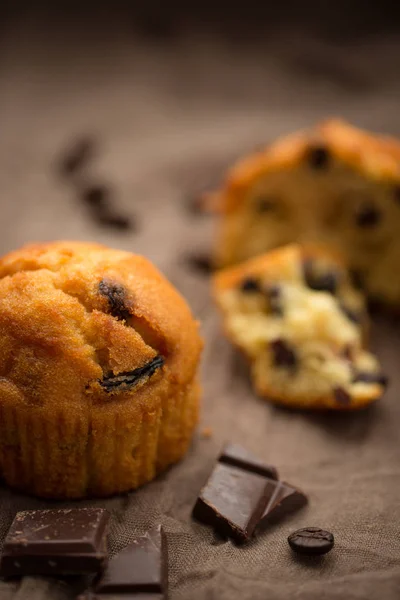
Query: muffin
{"points": [[296, 316], [335, 185], [98, 370]]}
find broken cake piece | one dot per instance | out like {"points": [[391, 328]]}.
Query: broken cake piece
{"points": [[301, 323]]}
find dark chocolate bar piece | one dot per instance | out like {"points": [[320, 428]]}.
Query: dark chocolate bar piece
{"points": [[242, 494], [140, 568], [56, 542]]}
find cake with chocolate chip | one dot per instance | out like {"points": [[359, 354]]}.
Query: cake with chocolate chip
{"points": [[98, 370], [301, 323], [335, 185]]}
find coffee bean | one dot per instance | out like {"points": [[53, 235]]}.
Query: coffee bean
{"points": [[200, 262], [283, 354], [368, 216], [341, 396], [96, 196], [311, 541], [77, 156], [320, 282], [319, 157], [250, 284], [368, 377]]}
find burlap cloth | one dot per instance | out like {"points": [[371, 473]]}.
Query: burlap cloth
{"points": [[167, 120]]}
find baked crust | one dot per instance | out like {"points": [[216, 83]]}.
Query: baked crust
{"points": [[98, 370]]}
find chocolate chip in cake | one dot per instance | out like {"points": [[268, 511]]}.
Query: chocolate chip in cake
{"points": [[311, 541], [274, 296], [341, 396], [250, 284], [368, 216], [265, 203], [283, 354], [318, 281], [368, 377], [319, 157], [77, 157], [116, 297], [124, 381]]}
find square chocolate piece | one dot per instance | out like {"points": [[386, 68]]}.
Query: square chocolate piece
{"points": [[56, 542]]}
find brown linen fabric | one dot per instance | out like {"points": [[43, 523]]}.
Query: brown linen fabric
{"points": [[166, 122]]}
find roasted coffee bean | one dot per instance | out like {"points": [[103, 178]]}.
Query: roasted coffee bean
{"points": [[283, 354], [265, 204], [341, 396], [77, 157], [311, 541], [320, 282], [274, 296], [96, 196], [116, 297], [201, 263], [250, 284], [368, 216], [319, 157], [368, 377], [124, 381], [353, 315]]}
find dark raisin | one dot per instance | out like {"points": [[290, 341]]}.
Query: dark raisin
{"points": [[341, 396], [96, 196], [368, 216], [250, 284], [274, 296], [77, 156], [319, 157], [201, 263], [283, 354], [123, 381], [353, 315], [116, 297], [320, 282], [368, 377], [265, 204]]}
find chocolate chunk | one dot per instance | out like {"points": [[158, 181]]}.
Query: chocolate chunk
{"points": [[320, 282], [236, 500], [368, 216], [96, 196], [235, 455], [140, 568], [274, 296], [125, 381], [56, 542], [250, 284], [116, 297], [77, 156], [265, 204], [341, 396], [368, 377], [283, 354], [200, 262], [318, 157], [311, 541], [353, 315]]}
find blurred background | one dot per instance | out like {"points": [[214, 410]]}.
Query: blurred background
{"points": [[161, 96]]}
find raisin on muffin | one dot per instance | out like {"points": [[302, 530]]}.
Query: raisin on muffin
{"points": [[98, 370], [297, 317], [335, 185]]}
